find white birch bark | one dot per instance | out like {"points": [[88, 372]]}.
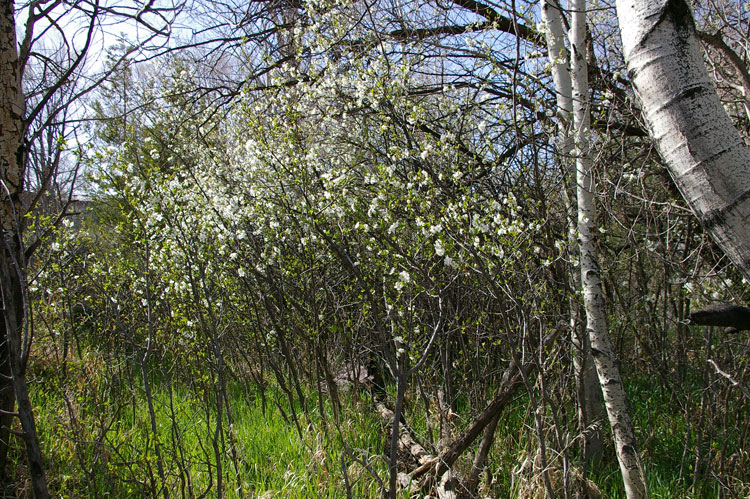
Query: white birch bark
{"points": [[554, 34], [596, 320], [589, 395], [691, 129]]}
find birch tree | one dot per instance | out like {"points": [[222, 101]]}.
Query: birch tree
{"points": [[593, 297], [690, 127], [586, 383]]}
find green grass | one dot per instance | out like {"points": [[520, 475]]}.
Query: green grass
{"points": [[97, 448], [661, 427], [99, 442]]}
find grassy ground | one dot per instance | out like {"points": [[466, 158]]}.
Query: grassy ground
{"points": [[97, 434], [103, 450]]}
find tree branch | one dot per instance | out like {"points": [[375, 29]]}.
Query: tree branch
{"points": [[717, 42], [734, 317], [501, 22]]}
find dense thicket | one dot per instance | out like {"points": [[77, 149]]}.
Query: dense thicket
{"points": [[335, 208]]}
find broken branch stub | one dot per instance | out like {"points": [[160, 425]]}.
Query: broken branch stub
{"points": [[732, 317]]}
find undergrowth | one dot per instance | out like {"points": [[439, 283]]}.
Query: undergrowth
{"points": [[95, 427]]}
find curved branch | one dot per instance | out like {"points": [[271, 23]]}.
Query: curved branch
{"points": [[501, 22], [717, 42]]}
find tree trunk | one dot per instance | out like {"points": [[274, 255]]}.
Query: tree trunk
{"points": [[593, 297], [14, 342], [11, 134], [690, 128], [587, 389]]}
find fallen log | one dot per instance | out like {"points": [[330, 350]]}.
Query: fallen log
{"points": [[408, 445], [406, 442], [439, 467], [511, 383]]}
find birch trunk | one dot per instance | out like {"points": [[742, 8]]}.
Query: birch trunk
{"points": [[691, 129], [587, 389], [596, 320]]}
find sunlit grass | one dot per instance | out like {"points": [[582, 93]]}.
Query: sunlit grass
{"points": [[96, 432], [270, 457]]}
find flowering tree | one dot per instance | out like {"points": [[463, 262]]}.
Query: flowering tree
{"points": [[363, 180]]}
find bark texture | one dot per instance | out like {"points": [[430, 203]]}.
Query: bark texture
{"points": [[593, 297], [11, 134], [14, 340], [690, 127], [587, 388]]}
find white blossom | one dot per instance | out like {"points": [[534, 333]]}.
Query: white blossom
{"points": [[439, 249]]}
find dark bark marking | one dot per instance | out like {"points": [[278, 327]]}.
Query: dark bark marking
{"points": [[679, 15], [709, 219]]}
